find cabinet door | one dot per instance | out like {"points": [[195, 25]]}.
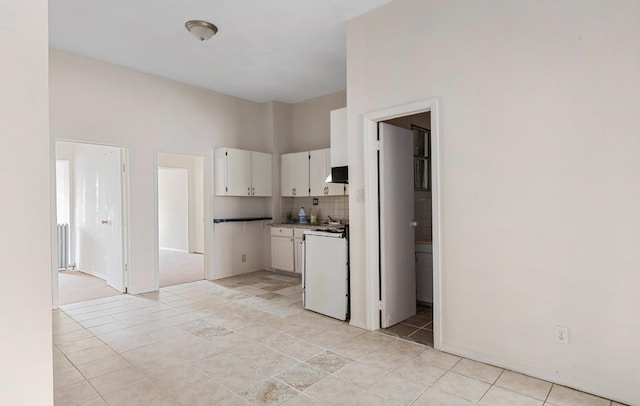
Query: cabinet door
{"points": [[260, 174], [294, 174], [298, 255], [318, 172], [339, 137], [282, 253], [221, 171], [333, 189], [238, 172]]}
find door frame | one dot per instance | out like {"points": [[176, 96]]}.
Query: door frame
{"points": [[125, 199], [207, 192], [371, 209]]}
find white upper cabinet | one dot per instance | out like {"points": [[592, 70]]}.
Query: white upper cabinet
{"points": [[294, 174], [242, 173], [319, 169], [261, 174], [339, 137], [317, 172]]}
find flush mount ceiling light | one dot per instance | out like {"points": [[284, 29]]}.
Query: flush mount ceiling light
{"points": [[202, 30]]}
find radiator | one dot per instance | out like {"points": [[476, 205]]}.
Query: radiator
{"points": [[63, 246]]}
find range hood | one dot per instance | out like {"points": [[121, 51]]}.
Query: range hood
{"points": [[339, 174]]}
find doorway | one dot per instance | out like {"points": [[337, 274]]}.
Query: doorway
{"points": [[90, 221], [180, 218], [413, 132], [401, 218]]}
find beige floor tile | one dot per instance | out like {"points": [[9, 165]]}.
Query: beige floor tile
{"points": [[302, 400], [331, 390], [563, 396], [272, 362], [79, 345], [240, 379], [362, 374], [438, 358], [434, 396], [72, 336], [112, 381], [301, 350], [90, 354], [525, 385], [497, 396], [60, 363], [93, 402], [329, 361], [176, 378], [74, 394], [462, 386], [102, 366], [477, 370], [164, 401], [395, 387], [419, 371], [201, 393], [404, 347], [141, 393], [269, 392], [277, 340], [67, 377], [302, 376]]}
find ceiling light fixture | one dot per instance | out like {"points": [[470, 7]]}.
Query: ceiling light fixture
{"points": [[202, 30]]}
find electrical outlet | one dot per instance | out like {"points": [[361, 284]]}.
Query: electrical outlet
{"points": [[315, 201], [562, 335], [244, 257]]}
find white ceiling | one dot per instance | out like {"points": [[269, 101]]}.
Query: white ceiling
{"points": [[285, 50]]}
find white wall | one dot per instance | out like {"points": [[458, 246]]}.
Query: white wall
{"points": [[539, 173], [310, 124], [173, 209], [26, 209], [98, 102], [195, 168]]}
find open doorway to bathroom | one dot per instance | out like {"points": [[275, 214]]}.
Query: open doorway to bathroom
{"points": [[416, 128], [180, 218], [90, 221]]}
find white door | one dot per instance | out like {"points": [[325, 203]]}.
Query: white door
{"points": [[397, 265], [111, 205], [238, 172], [261, 174], [282, 253]]}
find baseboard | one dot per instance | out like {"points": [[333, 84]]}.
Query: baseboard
{"points": [[559, 379], [230, 274], [141, 291]]}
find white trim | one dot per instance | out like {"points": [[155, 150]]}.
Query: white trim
{"points": [[561, 379], [207, 191], [372, 248]]}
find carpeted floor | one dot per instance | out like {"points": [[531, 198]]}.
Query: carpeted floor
{"points": [[76, 286], [177, 268]]}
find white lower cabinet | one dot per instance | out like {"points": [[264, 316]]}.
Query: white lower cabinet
{"points": [[282, 249], [298, 233], [286, 249]]}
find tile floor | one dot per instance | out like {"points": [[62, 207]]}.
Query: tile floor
{"points": [[247, 340], [418, 328]]}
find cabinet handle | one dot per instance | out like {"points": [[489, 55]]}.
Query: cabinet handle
{"points": [[248, 191], [253, 191], [293, 191]]}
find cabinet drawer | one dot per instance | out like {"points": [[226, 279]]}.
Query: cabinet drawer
{"points": [[281, 232], [298, 232]]}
